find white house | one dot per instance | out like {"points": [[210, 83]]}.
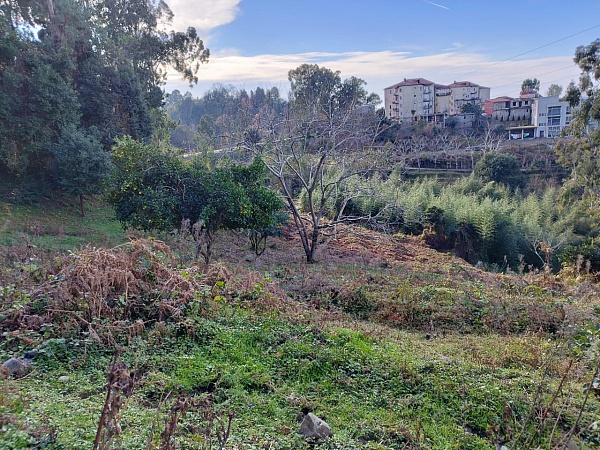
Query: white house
{"points": [[549, 116]]}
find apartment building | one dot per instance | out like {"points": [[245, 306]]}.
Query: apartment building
{"points": [[409, 100], [417, 99], [508, 110], [529, 116], [467, 93], [550, 116]]}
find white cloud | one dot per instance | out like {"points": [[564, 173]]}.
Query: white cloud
{"points": [[381, 69], [205, 15]]}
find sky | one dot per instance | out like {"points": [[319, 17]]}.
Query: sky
{"points": [[494, 43]]}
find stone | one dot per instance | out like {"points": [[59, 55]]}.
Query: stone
{"points": [[313, 427], [17, 367], [64, 378]]}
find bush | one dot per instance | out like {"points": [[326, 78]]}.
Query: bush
{"points": [[583, 256], [501, 168]]}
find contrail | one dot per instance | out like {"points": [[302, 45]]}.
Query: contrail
{"points": [[436, 4]]}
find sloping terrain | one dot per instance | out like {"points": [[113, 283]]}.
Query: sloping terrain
{"points": [[393, 344]]}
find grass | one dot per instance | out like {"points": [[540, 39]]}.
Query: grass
{"points": [[394, 345], [386, 390], [60, 227]]}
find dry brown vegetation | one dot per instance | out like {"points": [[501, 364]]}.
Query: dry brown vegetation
{"points": [[394, 280]]}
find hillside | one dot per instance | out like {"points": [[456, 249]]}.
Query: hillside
{"points": [[393, 344]]}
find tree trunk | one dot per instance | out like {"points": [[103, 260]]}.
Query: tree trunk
{"points": [[208, 253], [81, 206]]}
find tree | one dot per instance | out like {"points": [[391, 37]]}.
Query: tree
{"points": [[581, 153], [95, 71], [554, 91], [530, 85], [34, 99], [500, 167], [573, 95], [318, 90], [478, 115], [153, 189], [80, 163], [313, 89], [316, 150]]}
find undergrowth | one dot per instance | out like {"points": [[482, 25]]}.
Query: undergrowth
{"points": [[226, 357]]}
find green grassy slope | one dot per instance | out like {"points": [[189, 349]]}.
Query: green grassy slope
{"points": [[394, 345]]}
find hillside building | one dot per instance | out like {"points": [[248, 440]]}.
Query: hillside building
{"points": [[529, 116], [550, 116], [418, 99]]}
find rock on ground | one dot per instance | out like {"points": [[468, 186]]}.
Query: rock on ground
{"points": [[313, 427]]}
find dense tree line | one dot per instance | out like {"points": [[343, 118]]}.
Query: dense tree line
{"points": [[74, 76], [207, 122]]}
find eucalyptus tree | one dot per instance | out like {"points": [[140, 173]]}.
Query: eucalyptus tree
{"points": [[554, 90], [320, 90], [93, 72], [581, 152], [531, 85]]}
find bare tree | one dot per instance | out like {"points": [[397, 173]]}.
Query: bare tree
{"points": [[314, 158], [491, 140]]}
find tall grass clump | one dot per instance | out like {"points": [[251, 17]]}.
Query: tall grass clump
{"points": [[480, 221]]}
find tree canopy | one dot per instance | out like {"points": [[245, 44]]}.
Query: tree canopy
{"points": [[93, 72], [153, 189], [320, 90], [581, 151], [532, 85], [500, 167], [554, 90]]}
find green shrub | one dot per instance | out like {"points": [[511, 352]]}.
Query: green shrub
{"points": [[501, 168], [583, 256]]}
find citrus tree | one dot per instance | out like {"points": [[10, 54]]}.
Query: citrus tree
{"points": [[153, 189]]}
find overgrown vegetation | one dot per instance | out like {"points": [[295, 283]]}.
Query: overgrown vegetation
{"points": [[397, 338], [153, 189], [404, 348]]}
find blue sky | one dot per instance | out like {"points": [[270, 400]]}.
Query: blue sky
{"points": [[490, 42]]}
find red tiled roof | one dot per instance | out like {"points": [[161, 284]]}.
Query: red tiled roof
{"points": [[463, 84], [415, 82]]}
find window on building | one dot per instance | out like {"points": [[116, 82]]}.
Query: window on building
{"points": [[554, 110], [553, 120]]}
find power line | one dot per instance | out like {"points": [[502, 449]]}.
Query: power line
{"points": [[531, 51], [538, 75], [549, 82]]}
